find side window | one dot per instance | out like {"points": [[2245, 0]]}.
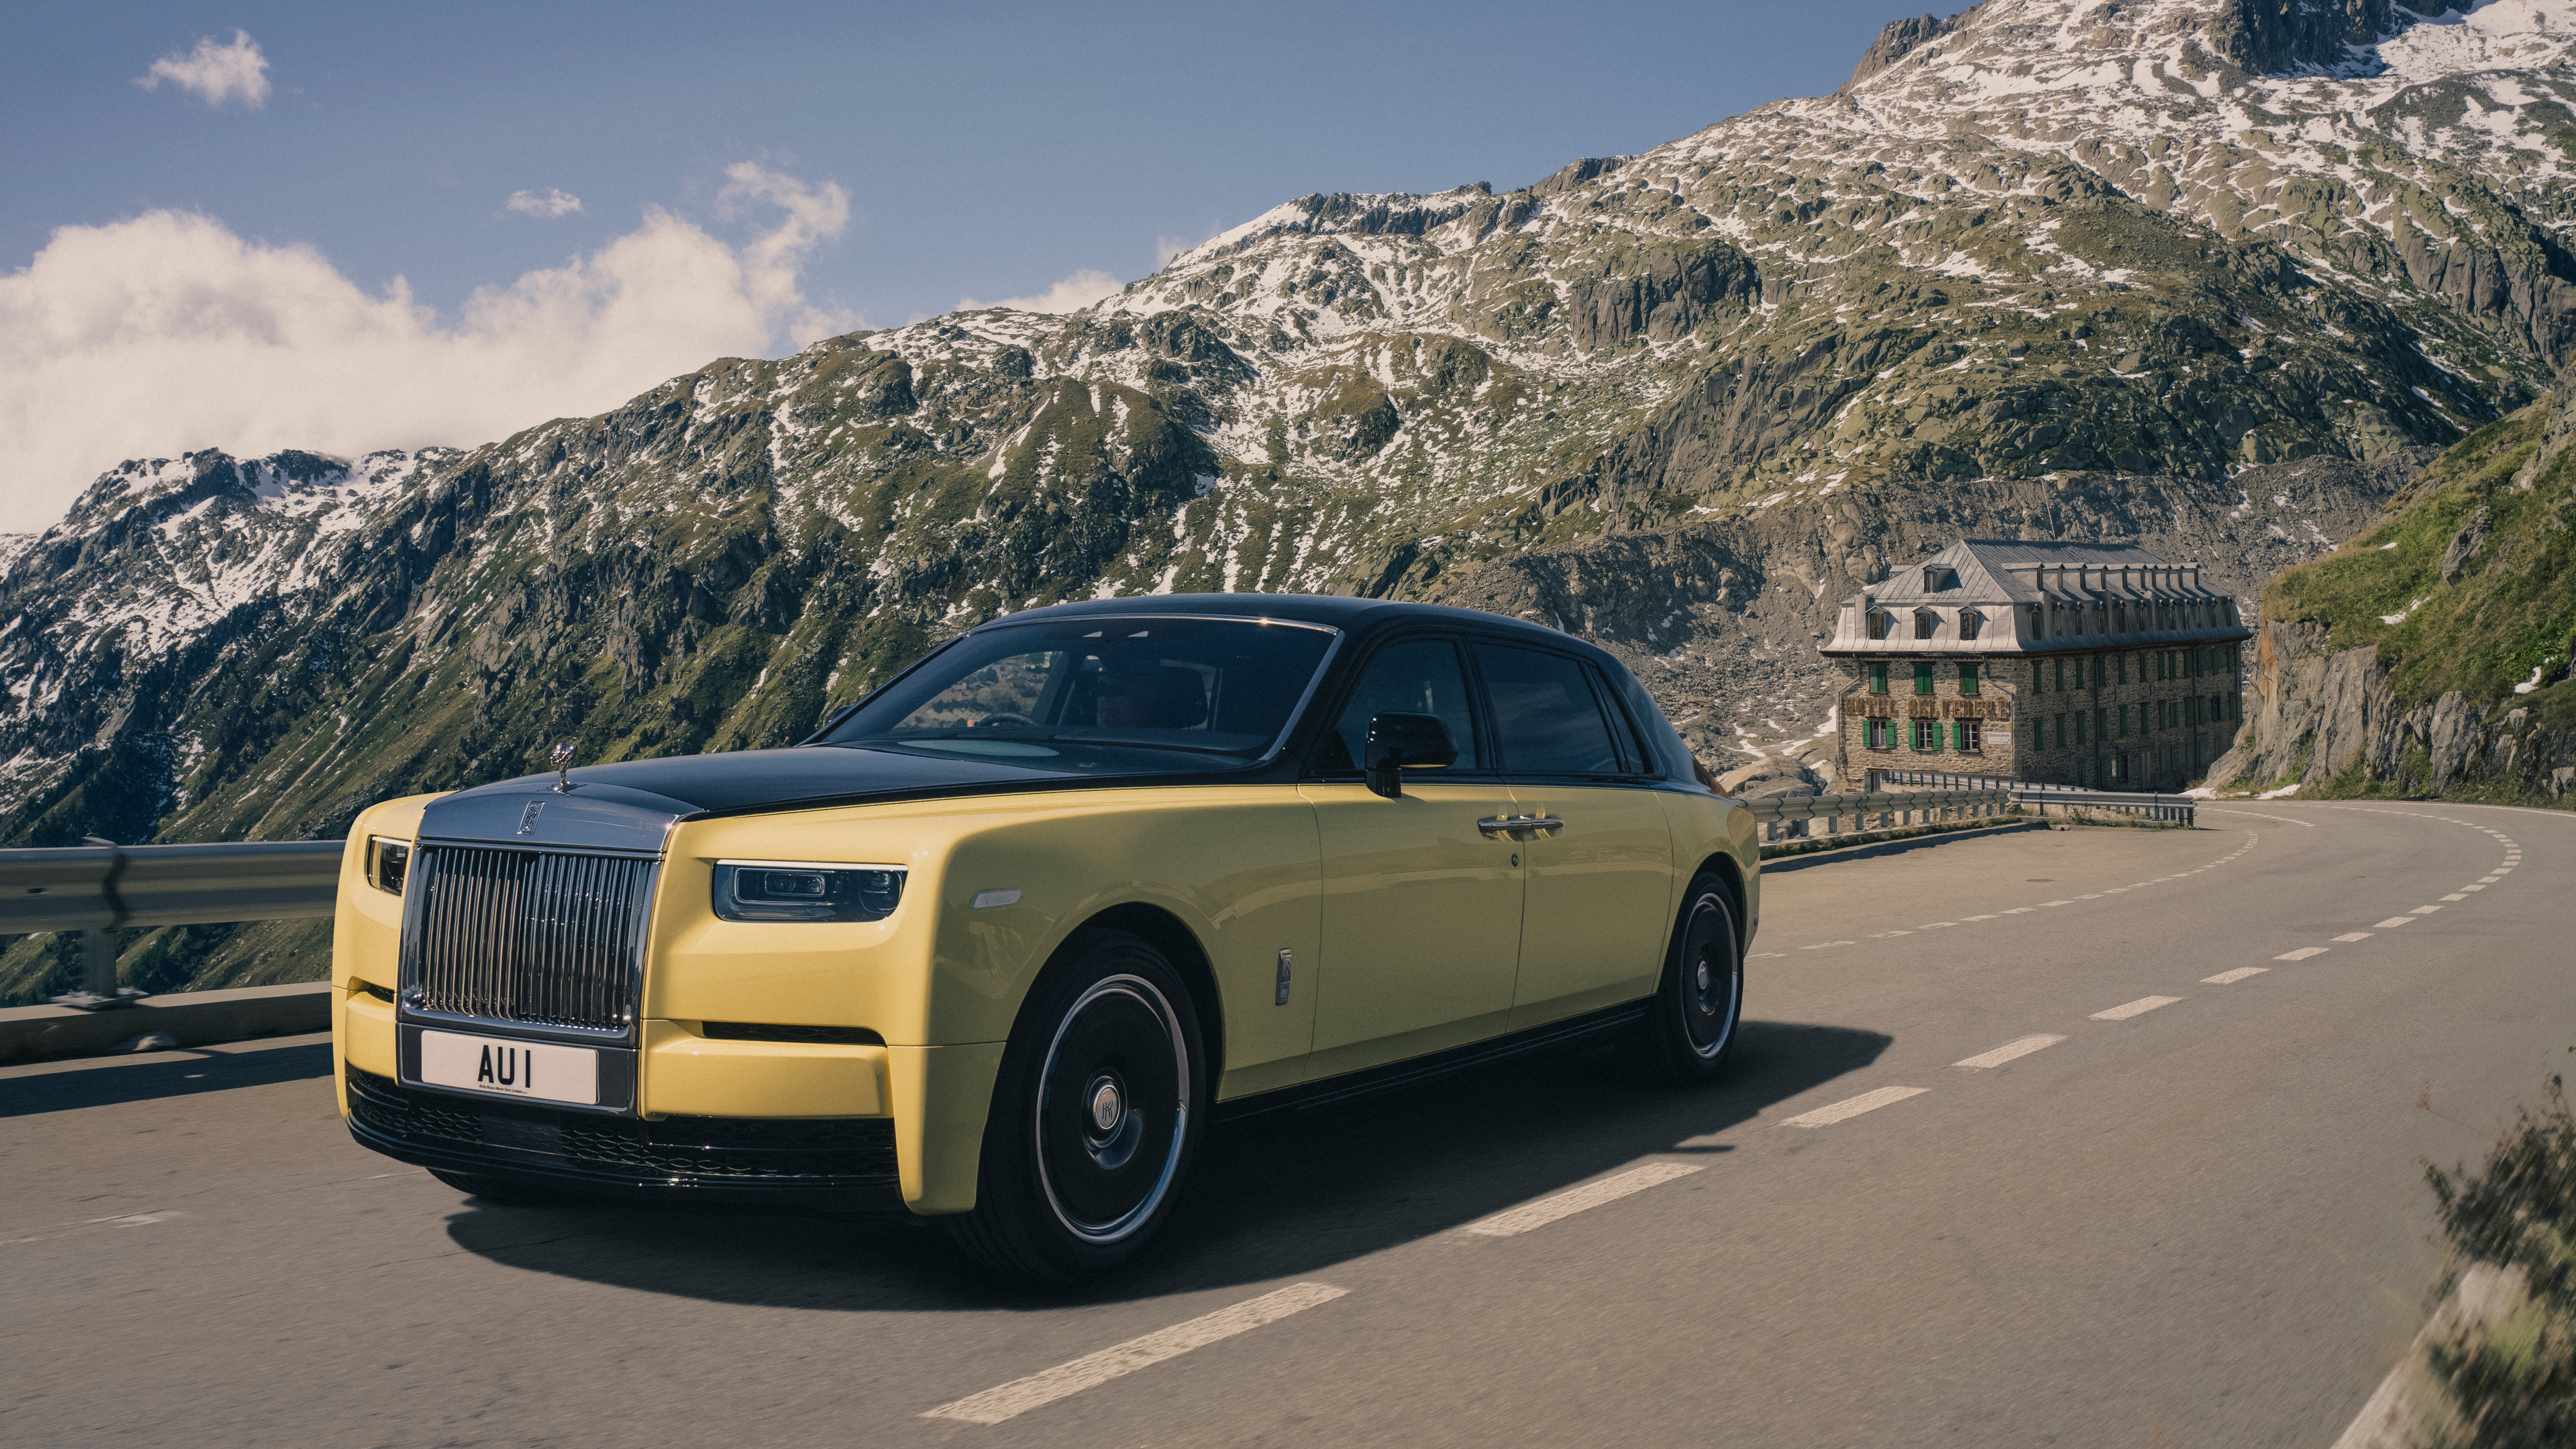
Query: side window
{"points": [[1547, 718], [1417, 676]]}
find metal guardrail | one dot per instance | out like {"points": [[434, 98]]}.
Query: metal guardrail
{"points": [[2066, 799], [1795, 817], [100, 889]]}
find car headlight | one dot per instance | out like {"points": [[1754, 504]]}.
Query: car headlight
{"points": [[388, 861], [796, 890]]}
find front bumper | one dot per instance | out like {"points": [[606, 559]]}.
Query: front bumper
{"points": [[833, 1165]]}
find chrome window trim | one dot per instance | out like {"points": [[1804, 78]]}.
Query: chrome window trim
{"points": [[812, 864]]}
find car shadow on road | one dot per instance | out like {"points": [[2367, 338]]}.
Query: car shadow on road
{"points": [[1274, 1197]]}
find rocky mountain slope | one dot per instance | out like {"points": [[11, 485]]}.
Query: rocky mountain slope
{"points": [[2206, 273], [2432, 654]]}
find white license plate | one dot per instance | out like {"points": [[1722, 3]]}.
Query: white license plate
{"points": [[536, 1069]]}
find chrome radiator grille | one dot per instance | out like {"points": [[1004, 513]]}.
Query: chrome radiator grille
{"points": [[536, 937]]}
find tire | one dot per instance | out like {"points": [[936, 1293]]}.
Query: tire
{"points": [[1096, 1114], [496, 1188], [1692, 1023]]}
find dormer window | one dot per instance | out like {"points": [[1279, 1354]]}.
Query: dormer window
{"points": [[1877, 624], [1938, 580], [1925, 621], [1969, 622], [2038, 623]]}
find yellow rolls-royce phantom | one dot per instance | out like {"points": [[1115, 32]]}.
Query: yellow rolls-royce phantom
{"points": [[1002, 939]]}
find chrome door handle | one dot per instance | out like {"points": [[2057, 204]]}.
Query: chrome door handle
{"points": [[1514, 825]]}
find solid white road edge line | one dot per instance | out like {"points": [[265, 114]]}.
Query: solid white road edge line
{"points": [[1575, 1199], [2139, 1007], [1017, 1397], [2009, 1050], [1850, 1107]]}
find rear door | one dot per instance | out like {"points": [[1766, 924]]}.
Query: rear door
{"points": [[1598, 905], [1422, 907]]}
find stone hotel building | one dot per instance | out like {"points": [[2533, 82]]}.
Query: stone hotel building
{"points": [[2089, 664]]}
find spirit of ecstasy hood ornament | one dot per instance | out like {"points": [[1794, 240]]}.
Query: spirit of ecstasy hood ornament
{"points": [[561, 754]]}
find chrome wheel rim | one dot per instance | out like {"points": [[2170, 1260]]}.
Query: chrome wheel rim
{"points": [[1113, 1108]]}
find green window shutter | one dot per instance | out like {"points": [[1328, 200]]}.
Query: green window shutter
{"points": [[1923, 678], [1959, 735], [1967, 679], [1878, 678]]}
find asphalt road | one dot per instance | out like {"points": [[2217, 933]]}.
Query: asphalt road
{"points": [[2203, 1223]]}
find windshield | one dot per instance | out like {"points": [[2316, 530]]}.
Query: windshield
{"points": [[1093, 693]]}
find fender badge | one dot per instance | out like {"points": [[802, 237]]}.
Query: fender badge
{"points": [[528, 817]]}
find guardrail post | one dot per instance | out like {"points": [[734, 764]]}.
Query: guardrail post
{"points": [[99, 991]]}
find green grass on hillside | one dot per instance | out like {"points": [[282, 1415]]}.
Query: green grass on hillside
{"points": [[2512, 609]]}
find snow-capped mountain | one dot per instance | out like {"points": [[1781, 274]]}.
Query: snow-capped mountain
{"points": [[2208, 273]]}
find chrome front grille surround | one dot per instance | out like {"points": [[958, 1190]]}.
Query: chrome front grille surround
{"points": [[546, 939]]}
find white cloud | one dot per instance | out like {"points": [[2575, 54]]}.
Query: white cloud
{"points": [[215, 73], [169, 332], [548, 203], [1070, 295]]}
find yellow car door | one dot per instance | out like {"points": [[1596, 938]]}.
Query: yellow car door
{"points": [[1598, 907], [1422, 902]]}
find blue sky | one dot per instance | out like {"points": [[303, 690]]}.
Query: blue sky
{"points": [[879, 163]]}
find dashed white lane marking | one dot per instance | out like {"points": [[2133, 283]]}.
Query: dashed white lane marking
{"points": [[2350, 936], [994, 1406], [2466, 889], [2008, 1051], [2425, 910], [2045, 904], [2489, 879], [2395, 921], [2301, 954], [1850, 1107], [2455, 897], [1977, 918], [2139, 1007], [2230, 978], [1574, 1200]]}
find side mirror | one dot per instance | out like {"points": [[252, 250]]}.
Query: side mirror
{"points": [[1400, 742]]}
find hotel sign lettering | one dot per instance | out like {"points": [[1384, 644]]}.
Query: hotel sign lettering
{"points": [[1879, 706]]}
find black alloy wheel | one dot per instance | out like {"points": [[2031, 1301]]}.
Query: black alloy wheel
{"points": [[1691, 1026], [1098, 1108]]}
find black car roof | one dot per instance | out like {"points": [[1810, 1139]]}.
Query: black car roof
{"points": [[1334, 610]]}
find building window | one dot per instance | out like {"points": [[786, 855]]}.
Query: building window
{"points": [[1967, 679], [1968, 736], [2122, 667], [2120, 722], [2061, 675], [1969, 623], [2079, 674], [1878, 678], [2038, 678], [2038, 623], [1923, 678], [2061, 732], [1925, 621], [1877, 624], [2101, 729], [2079, 727], [2084, 773], [1927, 734], [2038, 733]]}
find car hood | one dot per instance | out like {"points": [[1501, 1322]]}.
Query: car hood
{"points": [[630, 805]]}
